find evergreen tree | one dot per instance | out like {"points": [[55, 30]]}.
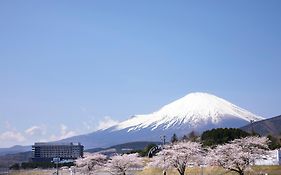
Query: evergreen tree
{"points": [[221, 135], [192, 136], [174, 138], [184, 138], [15, 166], [274, 142]]}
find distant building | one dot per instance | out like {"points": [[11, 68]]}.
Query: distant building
{"points": [[273, 158], [46, 152]]}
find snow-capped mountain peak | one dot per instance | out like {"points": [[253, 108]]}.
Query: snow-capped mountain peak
{"points": [[193, 110]]}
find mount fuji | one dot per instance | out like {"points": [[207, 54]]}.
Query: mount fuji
{"points": [[194, 112]]}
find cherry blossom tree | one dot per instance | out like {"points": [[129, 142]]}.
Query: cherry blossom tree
{"points": [[239, 154], [159, 161], [120, 164], [90, 163], [179, 156]]}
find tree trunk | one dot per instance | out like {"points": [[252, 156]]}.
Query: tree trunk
{"points": [[181, 172], [239, 171]]}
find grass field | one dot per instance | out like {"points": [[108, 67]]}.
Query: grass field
{"points": [[257, 170]]}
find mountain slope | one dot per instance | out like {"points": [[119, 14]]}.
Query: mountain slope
{"points": [[125, 147], [14, 149], [10, 159], [195, 111], [265, 127]]}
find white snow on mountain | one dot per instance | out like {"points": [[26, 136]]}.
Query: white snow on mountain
{"points": [[193, 110]]}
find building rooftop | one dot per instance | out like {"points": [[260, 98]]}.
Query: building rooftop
{"points": [[56, 144]]}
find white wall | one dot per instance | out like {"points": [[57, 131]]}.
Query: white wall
{"points": [[273, 158]]}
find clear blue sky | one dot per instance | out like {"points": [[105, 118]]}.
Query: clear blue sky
{"points": [[65, 65]]}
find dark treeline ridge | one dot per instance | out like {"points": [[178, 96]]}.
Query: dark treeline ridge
{"points": [[144, 152], [220, 136]]}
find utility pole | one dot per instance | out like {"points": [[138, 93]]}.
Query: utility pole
{"points": [[56, 161], [202, 166], [57, 168], [252, 126], [163, 138]]}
